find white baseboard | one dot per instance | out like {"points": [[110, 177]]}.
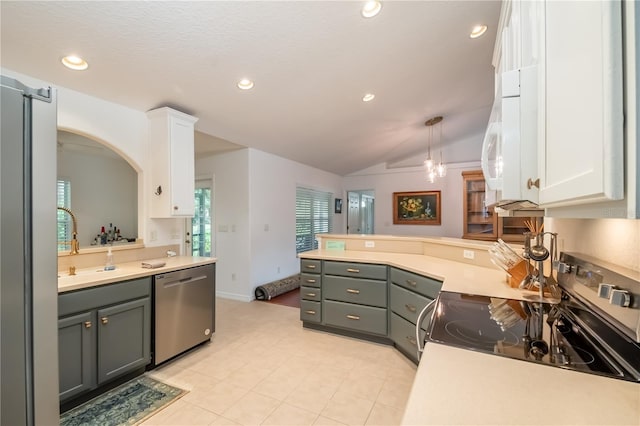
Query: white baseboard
{"points": [[234, 296]]}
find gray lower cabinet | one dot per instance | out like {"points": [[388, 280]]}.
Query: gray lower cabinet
{"points": [[409, 293], [103, 333], [311, 291], [77, 361], [124, 340], [367, 300], [354, 297]]}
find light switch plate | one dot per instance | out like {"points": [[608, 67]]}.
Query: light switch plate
{"points": [[469, 254]]}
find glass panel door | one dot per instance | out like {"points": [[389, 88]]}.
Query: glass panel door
{"points": [[201, 236]]}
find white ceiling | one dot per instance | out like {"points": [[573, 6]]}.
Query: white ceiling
{"points": [[311, 62]]}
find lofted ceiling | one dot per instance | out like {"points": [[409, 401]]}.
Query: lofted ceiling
{"points": [[311, 62]]}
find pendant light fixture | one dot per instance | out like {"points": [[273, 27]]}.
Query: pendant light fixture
{"points": [[433, 171], [441, 168]]}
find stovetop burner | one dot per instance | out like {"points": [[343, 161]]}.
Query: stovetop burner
{"points": [[544, 333]]}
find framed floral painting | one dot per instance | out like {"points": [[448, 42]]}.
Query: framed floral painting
{"points": [[416, 208]]}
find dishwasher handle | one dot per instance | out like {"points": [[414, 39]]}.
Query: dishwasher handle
{"points": [[421, 316], [181, 281]]}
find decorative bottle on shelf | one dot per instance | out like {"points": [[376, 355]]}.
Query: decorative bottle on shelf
{"points": [[103, 236]]}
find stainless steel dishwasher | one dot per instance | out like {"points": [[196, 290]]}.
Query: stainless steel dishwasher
{"points": [[184, 310]]}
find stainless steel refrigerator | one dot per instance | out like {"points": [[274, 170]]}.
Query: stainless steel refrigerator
{"points": [[28, 284]]}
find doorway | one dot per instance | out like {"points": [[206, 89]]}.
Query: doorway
{"points": [[199, 241], [360, 214]]}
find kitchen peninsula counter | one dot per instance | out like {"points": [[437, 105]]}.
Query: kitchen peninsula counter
{"points": [[91, 277], [459, 386]]}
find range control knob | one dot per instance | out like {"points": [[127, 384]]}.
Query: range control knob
{"points": [[620, 297]]}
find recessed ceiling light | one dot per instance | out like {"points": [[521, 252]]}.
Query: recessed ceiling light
{"points": [[75, 63], [245, 84], [371, 8], [368, 97], [478, 30]]}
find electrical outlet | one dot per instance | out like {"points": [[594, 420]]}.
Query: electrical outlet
{"points": [[469, 254], [233, 277], [153, 235], [369, 244], [223, 228], [266, 227], [278, 269]]}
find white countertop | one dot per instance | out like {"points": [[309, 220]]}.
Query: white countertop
{"points": [[458, 386], [91, 277]]}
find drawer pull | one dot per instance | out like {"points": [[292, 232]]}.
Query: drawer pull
{"points": [[410, 308], [311, 294], [353, 291], [355, 271], [310, 312], [87, 324], [105, 320], [311, 281], [353, 317], [412, 283], [310, 266], [412, 340]]}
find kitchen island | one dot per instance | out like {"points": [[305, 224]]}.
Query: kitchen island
{"points": [[459, 386]]}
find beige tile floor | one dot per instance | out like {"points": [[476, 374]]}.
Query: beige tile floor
{"points": [[263, 368]]}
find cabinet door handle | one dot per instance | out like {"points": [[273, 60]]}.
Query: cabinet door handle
{"points": [[312, 281], [87, 324], [311, 294], [410, 308], [532, 182], [412, 283], [353, 270], [310, 312], [353, 317], [104, 320], [353, 291], [310, 266], [175, 207], [412, 340]]}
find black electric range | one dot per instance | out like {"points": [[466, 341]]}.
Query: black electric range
{"points": [[575, 334]]}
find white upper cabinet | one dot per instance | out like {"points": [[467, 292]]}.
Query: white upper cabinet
{"points": [[581, 156], [171, 152]]}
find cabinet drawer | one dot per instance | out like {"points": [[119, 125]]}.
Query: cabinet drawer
{"points": [[310, 311], [355, 317], [310, 280], [109, 294], [310, 265], [406, 303], [364, 292], [358, 270], [403, 334], [414, 282], [310, 293]]}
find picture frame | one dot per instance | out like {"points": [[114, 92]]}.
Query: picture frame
{"points": [[416, 208], [338, 206]]}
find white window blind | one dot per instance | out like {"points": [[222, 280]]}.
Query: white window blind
{"points": [[64, 221], [313, 216]]}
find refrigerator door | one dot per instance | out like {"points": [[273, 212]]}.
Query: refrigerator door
{"points": [[28, 291]]}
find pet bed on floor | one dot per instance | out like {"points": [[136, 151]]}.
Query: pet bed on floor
{"points": [[270, 290]]}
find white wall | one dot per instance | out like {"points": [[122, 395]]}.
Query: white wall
{"points": [[612, 240], [231, 221], [254, 200], [272, 188], [384, 182]]}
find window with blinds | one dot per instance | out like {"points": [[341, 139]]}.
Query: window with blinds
{"points": [[313, 216], [64, 220]]}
